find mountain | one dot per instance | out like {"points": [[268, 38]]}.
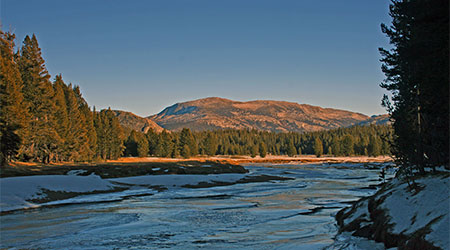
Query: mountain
{"points": [[376, 119], [278, 116], [132, 121]]}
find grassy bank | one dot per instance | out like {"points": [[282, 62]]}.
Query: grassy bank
{"points": [[132, 166], [123, 168]]}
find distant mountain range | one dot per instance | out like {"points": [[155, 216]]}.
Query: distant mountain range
{"points": [[219, 113]]}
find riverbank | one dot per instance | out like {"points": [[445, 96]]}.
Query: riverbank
{"points": [[124, 167], [400, 216], [135, 166]]}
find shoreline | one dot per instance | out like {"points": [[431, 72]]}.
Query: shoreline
{"points": [[136, 166]]}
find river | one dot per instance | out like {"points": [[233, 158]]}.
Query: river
{"points": [[292, 214]]}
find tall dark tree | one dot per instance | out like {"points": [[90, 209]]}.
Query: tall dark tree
{"points": [[417, 75]]}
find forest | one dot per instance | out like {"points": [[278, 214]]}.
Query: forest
{"points": [[372, 140], [48, 121]]}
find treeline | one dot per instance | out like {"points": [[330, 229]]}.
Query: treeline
{"points": [[48, 121], [370, 140]]}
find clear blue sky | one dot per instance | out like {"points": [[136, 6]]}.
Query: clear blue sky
{"points": [[143, 56]]}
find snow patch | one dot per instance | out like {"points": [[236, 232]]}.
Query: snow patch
{"points": [[16, 192], [411, 212], [361, 213]]}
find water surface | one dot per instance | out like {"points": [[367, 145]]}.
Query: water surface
{"points": [[293, 214]]}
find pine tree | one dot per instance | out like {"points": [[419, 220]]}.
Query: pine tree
{"points": [[254, 150], [131, 144], [417, 75], [38, 92], [188, 140], [89, 140], [110, 135], [186, 151], [318, 147], [152, 138], [336, 146], [347, 145], [61, 117], [374, 147], [14, 115], [291, 150], [210, 144], [262, 149], [76, 139]]}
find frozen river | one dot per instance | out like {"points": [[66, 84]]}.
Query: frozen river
{"points": [[291, 214]]}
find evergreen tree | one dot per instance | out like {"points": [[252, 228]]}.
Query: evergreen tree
{"points": [[291, 150], [38, 92], [188, 140], [14, 116], [347, 145], [374, 147], [61, 117], [318, 147], [136, 145], [186, 151], [110, 136], [76, 138], [254, 150], [89, 141], [417, 75], [262, 149], [131, 144], [336, 146], [152, 138], [210, 144]]}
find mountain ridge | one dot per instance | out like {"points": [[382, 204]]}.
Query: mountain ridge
{"points": [[268, 115]]}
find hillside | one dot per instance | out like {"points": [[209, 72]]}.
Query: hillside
{"points": [[132, 121], [276, 116]]}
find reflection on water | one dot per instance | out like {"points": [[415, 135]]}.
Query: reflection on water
{"points": [[294, 214]]}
